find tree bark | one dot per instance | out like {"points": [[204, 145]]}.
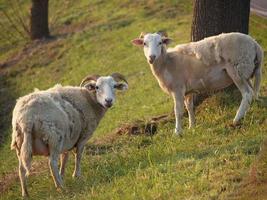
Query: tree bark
{"points": [[212, 17], [39, 19]]}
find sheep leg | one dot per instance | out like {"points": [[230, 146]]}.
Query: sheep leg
{"points": [[22, 177], [179, 111], [189, 104], [78, 156], [63, 161], [53, 158], [246, 91], [247, 96]]}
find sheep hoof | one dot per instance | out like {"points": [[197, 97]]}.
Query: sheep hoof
{"points": [[25, 195], [191, 126], [236, 124], [76, 176], [178, 132], [60, 189]]}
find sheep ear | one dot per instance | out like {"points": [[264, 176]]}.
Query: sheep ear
{"points": [[121, 86], [138, 42], [166, 40], [90, 86], [162, 33]]}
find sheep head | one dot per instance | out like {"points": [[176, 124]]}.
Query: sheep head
{"points": [[104, 87], [153, 43]]}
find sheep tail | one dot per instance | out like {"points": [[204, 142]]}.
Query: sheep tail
{"points": [[13, 145], [257, 70], [26, 148]]}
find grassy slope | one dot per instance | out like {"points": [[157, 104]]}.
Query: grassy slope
{"points": [[209, 162]]}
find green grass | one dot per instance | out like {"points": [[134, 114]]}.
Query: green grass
{"points": [[208, 162]]}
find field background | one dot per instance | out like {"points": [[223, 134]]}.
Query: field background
{"points": [[211, 161]]}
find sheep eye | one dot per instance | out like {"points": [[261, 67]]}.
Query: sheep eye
{"points": [[160, 43], [145, 44], [96, 87]]}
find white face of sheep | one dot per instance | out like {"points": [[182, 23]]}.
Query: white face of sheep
{"points": [[152, 44], [104, 88]]}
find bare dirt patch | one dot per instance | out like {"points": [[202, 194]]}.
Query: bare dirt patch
{"points": [[148, 127]]}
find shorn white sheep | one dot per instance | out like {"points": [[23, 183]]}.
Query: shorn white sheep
{"points": [[207, 65], [57, 120]]}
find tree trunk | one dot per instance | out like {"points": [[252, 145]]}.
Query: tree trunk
{"points": [[212, 17], [39, 19]]}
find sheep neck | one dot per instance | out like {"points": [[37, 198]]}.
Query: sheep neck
{"points": [[158, 64], [98, 109]]}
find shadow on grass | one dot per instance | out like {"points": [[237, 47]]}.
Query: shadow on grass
{"points": [[110, 161], [7, 102], [101, 149], [254, 185], [105, 169]]}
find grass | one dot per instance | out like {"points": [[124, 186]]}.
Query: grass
{"points": [[211, 161]]}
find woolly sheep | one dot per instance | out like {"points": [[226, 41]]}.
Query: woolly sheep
{"points": [[207, 65], [57, 120]]}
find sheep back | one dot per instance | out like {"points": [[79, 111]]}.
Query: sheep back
{"points": [[235, 48]]}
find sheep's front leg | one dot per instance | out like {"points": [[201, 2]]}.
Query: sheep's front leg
{"points": [[189, 104], [63, 161], [78, 157], [178, 110]]}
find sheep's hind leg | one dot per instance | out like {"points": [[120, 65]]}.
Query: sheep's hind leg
{"points": [[63, 161], [55, 144], [189, 104], [78, 157], [53, 161], [246, 91], [22, 177]]}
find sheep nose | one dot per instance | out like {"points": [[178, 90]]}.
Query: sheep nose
{"points": [[108, 102], [152, 59]]}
